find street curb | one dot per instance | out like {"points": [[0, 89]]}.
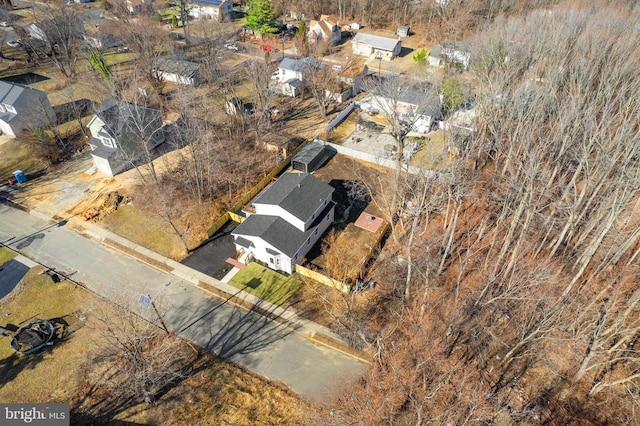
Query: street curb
{"points": [[317, 333]]}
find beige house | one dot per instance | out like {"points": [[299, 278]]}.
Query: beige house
{"points": [[326, 30], [370, 45]]}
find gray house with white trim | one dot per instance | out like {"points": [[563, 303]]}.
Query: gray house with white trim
{"points": [[181, 72], [23, 108], [285, 221], [119, 133]]}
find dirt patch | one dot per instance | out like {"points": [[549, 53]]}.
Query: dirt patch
{"points": [[105, 204]]}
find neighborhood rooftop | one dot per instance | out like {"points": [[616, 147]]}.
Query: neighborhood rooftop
{"points": [[378, 42], [210, 2], [183, 68], [296, 193], [276, 231]]}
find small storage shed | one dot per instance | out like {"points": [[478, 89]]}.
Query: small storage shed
{"points": [[403, 31], [311, 157]]}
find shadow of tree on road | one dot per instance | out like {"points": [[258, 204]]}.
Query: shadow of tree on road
{"points": [[229, 330]]}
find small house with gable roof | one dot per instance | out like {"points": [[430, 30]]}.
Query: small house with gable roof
{"points": [[372, 45]]}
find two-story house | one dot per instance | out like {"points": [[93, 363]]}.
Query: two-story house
{"points": [[23, 108], [416, 108], [285, 221], [325, 30], [219, 10], [290, 75], [121, 133]]}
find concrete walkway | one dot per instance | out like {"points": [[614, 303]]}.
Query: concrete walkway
{"points": [[268, 340]]}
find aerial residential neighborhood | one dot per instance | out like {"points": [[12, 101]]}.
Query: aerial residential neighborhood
{"points": [[299, 213]]}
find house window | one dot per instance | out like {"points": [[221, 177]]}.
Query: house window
{"points": [[107, 142], [315, 232], [327, 217], [309, 240], [271, 260], [10, 109]]}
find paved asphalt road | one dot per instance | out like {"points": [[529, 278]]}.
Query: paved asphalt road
{"points": [[244, 337]]}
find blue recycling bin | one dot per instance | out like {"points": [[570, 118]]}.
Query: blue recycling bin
{"points": [[20, 176]]}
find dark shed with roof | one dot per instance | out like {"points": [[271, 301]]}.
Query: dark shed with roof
{"points": [[311, 157]]}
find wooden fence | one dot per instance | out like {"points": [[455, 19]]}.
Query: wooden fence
{"points": [[218, 224], [317, 276], [236, 217], [254, 191]]}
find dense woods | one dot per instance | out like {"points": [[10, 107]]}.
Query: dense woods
{"points": [[511, 295]]}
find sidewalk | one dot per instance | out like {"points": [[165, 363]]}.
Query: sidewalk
{"points": [[317, 333], [247, 331]]}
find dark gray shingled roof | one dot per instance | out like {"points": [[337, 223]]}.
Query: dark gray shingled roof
{"points": [[243, 242], [297, 193], [273, 230], [101, 151], [181, 68], [278, 232]]}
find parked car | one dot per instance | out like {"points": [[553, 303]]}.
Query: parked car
{"points": [[231, 46], [14, 43]]}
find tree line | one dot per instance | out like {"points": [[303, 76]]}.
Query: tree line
{"points": [[511, 295]]}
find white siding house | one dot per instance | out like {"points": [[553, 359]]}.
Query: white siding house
{"points": [[180, 72], [219, 10], [325, 30], [416, 108], [23, 108], [285, 221], [372, 45], [119, 133]]}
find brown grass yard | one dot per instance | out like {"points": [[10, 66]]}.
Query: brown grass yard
{"points": [[16, 156], [218, 393], [144, 229]]}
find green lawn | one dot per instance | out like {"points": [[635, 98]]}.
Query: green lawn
{"points": [[6, 255], [266, 284]]}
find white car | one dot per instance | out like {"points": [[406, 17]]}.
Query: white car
{"points": [[231, 46], [14, 43]]}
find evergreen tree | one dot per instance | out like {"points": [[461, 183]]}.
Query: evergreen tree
{"points": [[260, 17]]}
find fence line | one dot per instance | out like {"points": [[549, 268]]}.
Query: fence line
{"points": [[218, 224], [317, 276], [371, 158], [340, 118], [255, 190]]}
